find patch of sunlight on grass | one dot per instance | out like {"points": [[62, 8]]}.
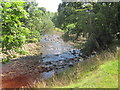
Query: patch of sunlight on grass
{"points": [[110, 67], [106, 76]]}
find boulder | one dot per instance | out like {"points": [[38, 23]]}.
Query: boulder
{"points": [[70, 64]]}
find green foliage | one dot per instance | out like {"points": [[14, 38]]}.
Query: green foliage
{"points": [[70, 26], [5, 60], [38, 22], [105, 22], [97, 22], [13, 32], [22, 22]]}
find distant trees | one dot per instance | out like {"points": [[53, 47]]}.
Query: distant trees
{"points": [[97, 22], [38, 21]]}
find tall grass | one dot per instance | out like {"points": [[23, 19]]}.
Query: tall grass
{"points": [[77, 73]]}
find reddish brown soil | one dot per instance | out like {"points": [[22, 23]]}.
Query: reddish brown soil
{"points": [[22, 71], [18, 73]]}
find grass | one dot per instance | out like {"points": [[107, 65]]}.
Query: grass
{"points": [[104, 77], [100, 71]]}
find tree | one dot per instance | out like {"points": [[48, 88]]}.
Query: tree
{"points": [[13, 31], [38, 21], [97, 22]]}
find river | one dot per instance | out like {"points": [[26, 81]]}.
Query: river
{"points": [[57, 56]]}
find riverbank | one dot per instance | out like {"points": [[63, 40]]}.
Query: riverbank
{"points": [[19, 70], [46, 58], [100, 71], [30, 49]]}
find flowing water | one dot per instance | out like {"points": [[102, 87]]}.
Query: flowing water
{"points": [[57, 55], [55, 49]]}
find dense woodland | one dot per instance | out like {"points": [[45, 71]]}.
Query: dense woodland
{"points": [[97, 22], [24, 22]]}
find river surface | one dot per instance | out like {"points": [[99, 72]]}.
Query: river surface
{"points": [[57, 56], [55, 49]]}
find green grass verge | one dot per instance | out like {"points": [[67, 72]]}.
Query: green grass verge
{"points": [[106, 76], [100, 71]]}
